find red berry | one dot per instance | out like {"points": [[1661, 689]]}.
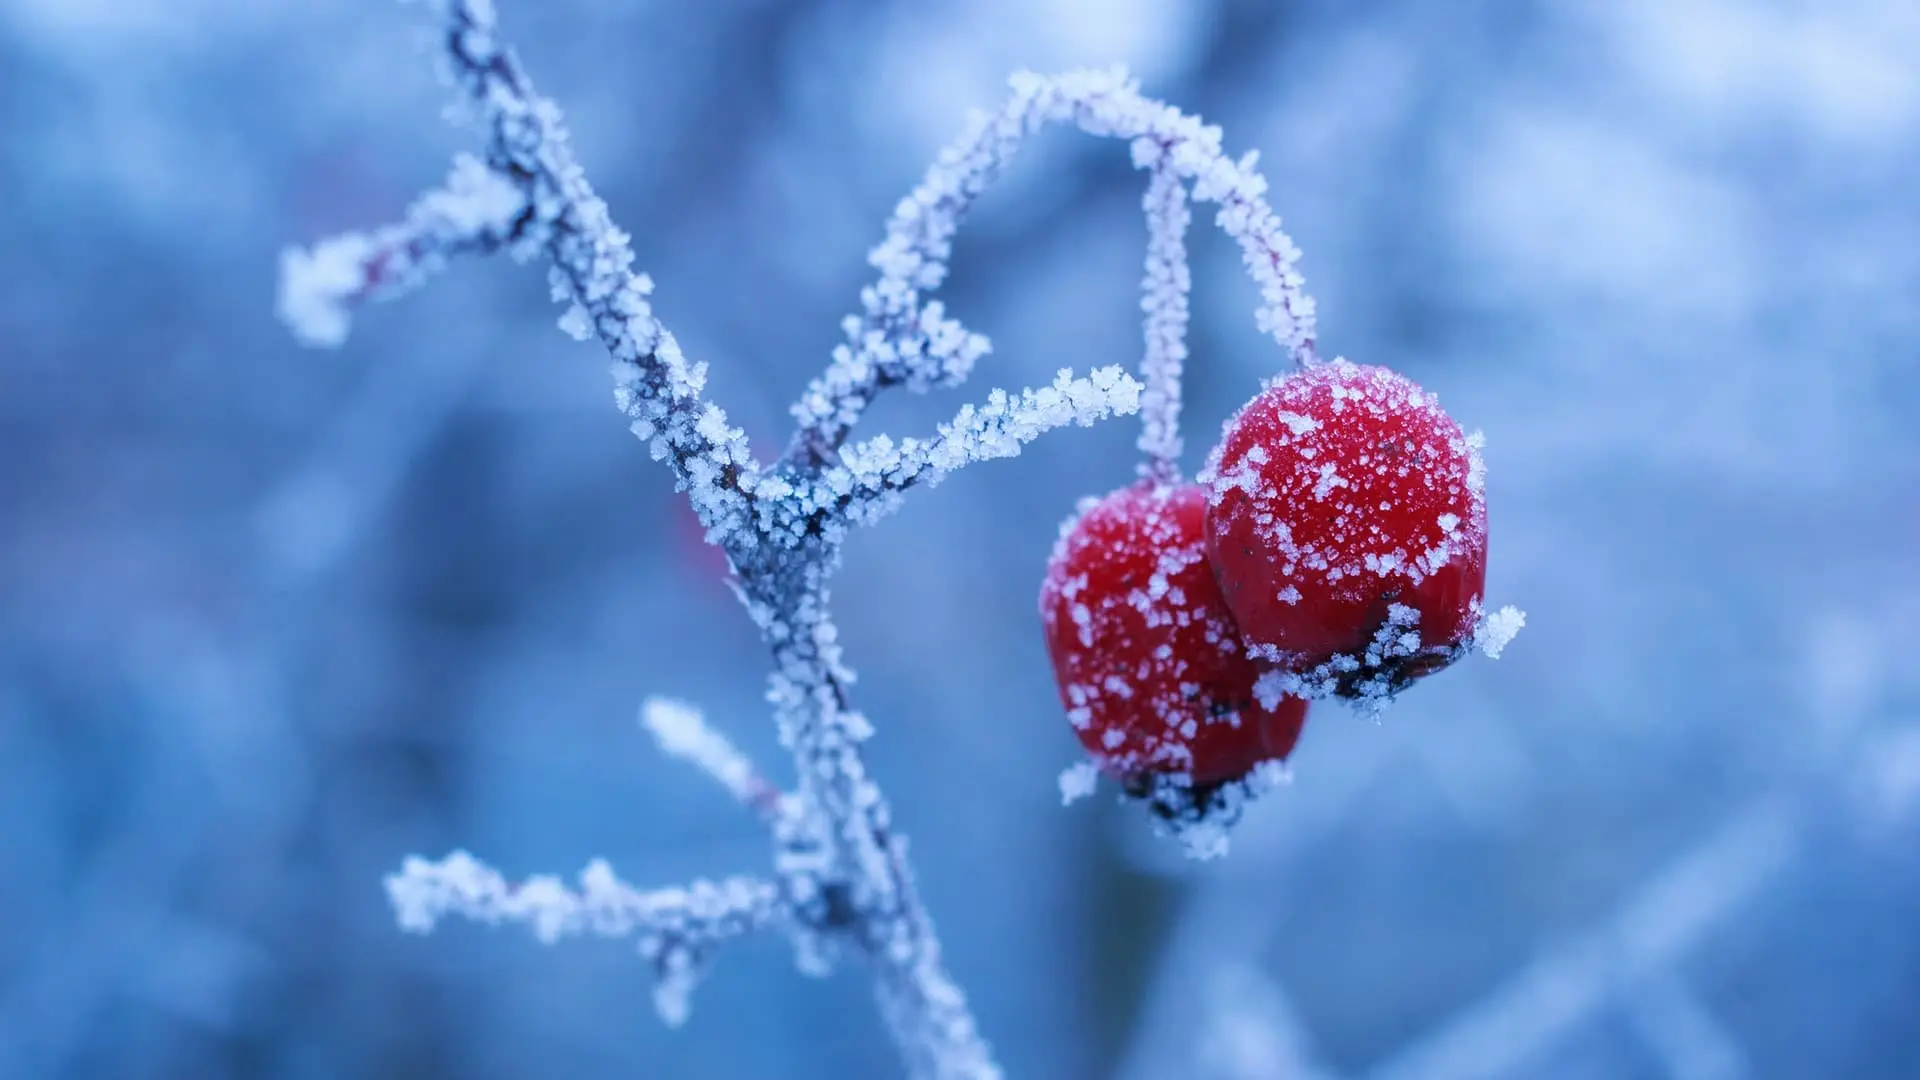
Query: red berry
{"points": [[1337, 493], [1151, 669]]}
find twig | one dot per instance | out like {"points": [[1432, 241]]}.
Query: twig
{"points": [[679, 929], [843, 879]]}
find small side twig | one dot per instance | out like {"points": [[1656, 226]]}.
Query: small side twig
{"points": [[843, 878], [683, 732], [678, 928]]}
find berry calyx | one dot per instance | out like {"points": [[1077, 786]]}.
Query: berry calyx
{"points": [[1347, 525], [1151, 669]]}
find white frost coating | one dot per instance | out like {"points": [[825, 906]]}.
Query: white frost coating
{"points": [[678, 928], [842, 883], [316, 285], [872, 471], [475, 211], [1163, 296], [1299, 425], [1476, 461], [1205, 830], [1498, 630], [1077, 781], [682, 732], [531, 198], [898, 341], [1273, 687]]}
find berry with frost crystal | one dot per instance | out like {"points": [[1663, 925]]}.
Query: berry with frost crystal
{"points": [[1151, 668], [1347, 524]]}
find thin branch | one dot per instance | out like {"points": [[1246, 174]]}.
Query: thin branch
{"points": [[679, 929], [913, 257], [1163, 297], [872, 475], [531, 197], [843, 872], [683, 732], [476, 212], [898, 343]]}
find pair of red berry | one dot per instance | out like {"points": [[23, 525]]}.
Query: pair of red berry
{"points": [[1335, 546]]}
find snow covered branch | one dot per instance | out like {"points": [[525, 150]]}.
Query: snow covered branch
{"points": [[843, 882], [477, 211], [679, 929], [897, 341], [683, 733], [532, 198], [870, 476], [1163, 296]]}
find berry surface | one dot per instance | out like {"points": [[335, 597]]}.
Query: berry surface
{"points": [[1347, 525], [1151, 669]]}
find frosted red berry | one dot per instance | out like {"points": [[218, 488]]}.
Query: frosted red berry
{"points": [[1151, 668], [1347, 519]]}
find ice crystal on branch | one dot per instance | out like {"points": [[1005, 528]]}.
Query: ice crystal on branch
{"points": [[682, 732], [842, 882], [1498, 630], [1164, 299], [478, 210], [890, 343], [871, 473], [678, 928]]}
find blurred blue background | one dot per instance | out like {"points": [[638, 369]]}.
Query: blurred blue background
{"points": [[272, 619]]}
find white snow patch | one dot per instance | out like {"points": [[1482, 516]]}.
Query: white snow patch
{"points": [[1077, 781], [1497, 630]]}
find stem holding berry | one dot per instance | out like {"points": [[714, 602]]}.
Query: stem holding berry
{"points": [[842, 881]]}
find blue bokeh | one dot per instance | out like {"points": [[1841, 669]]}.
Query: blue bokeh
{"points": [[272, 619]]}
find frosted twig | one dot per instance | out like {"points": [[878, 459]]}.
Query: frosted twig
{"points": [[682, 732], [678, 928], [1163, 297], [870, 476], [843, 877], [532, 198], [477, 211], [913, 257], [898, 343]]}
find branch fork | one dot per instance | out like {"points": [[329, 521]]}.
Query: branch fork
{"points": [[841, 878]]}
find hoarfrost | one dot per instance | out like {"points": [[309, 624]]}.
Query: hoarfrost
{"points": [[678, 928], [682, 732], [1077, 781], [1498, 630], [1164, 299], [842, 882]]}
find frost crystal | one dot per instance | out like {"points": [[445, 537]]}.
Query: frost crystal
{"points": [[899, 340], [682, 732], [677, 928], [842, 883], [1201, 818], [1498, 630], [1164, 299], [1077, 781]]}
